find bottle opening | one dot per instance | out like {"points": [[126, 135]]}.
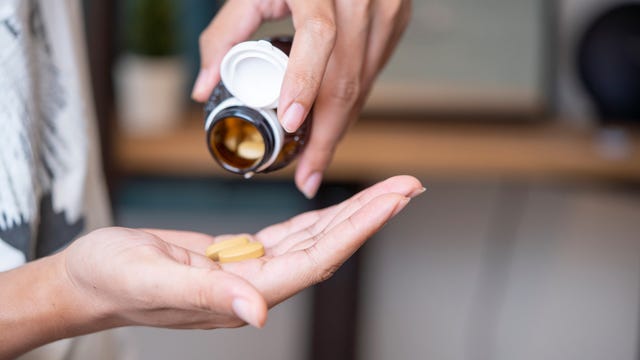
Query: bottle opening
{"points": [[237, 143]]}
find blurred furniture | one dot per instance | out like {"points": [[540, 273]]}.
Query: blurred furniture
{"points": [[378, 148]]}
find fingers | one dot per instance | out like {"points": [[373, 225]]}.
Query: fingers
{"points": [[335, 107], [236, 21], [341, 241], [390, 19], [407, 186], [367, 34], [320, 261], [274, 234], [315, 26]]}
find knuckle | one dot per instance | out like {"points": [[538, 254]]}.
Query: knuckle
{"points": [[322, 272], [346, 90], [322, 26], [235, 323], [203, 39], [327, 273], [202, 300], [323, 148]]}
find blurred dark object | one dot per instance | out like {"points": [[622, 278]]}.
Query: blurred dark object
{"points": [[609, 63], [151, 26], [99, 19], [334, 332]]}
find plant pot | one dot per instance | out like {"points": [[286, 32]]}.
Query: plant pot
{"points": [[150, 93]]}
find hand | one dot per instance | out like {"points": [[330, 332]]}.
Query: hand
{"points": [[160, 277], [339, 48], [309, 248], [116, 277], [135, 277]]}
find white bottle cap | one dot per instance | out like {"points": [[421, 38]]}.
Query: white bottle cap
{"points": [[253, 71]]}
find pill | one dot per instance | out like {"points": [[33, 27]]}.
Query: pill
{"points": [[251, 149], [251, 250], [254, 135], [213, 250], [231, 143], [231, 138]]}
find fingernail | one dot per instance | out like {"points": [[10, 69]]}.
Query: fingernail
{"points": [[201, 82], [310, 187], [417, 192], [292, 118], [242, 309], [400, 206]]}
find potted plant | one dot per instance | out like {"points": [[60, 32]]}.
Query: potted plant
{"points": [[150, 75]]}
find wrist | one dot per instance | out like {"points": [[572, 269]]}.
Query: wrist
{"points": [[40, 304], [83, 307]]}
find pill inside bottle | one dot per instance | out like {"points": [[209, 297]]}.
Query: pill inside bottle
{"points": [[237, 142]]}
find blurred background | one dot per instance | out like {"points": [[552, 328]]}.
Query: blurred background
{"points": [[520, 116]]}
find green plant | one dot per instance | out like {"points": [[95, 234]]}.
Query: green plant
{"points": [[151, 27]]}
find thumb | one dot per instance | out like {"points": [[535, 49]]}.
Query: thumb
{"points": [[216, 291], [235, 22]]}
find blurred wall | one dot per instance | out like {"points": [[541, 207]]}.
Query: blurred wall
{"points": [[462, 56], [503, 271], [465, 55]]}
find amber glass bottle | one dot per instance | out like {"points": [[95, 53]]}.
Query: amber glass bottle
{"points": [[242, 128]]}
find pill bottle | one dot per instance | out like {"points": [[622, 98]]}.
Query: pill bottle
{"points": [[242, 129]]}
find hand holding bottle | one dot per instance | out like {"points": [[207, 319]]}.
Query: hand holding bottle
{"points": [[339, 48]]}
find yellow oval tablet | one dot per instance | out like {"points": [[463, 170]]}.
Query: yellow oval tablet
{"points": [[214, 249], [251, 149], [251, 250]]}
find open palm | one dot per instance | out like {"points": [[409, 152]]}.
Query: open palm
{"points": [[310, 247], [162, 278]]}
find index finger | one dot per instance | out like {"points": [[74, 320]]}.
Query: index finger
{"points": [[315, 36], [235, 22]]}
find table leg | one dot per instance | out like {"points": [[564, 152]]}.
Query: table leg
{"points": [[335, 301]]}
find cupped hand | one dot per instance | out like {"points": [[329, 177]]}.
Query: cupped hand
{"points": [[310, 247], [135, 277], [160, 277], [339, 48]]}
